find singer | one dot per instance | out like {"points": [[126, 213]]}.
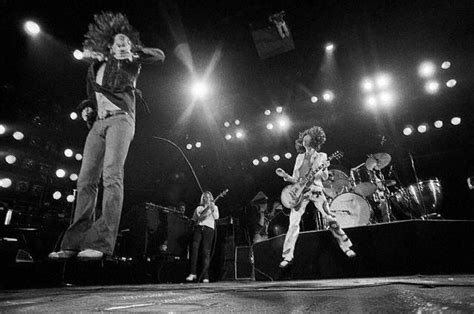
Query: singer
{"points": [[116, 52]]}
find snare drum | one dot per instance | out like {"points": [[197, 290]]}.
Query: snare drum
{"points": [[351, 210], [364, 181]]}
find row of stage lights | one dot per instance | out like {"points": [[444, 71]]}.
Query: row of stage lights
{"points": [[265, 159], [6, 183], [423, 128]]}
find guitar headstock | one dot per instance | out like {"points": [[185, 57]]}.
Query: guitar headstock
{"points": [[336, 155], [223, 193]]}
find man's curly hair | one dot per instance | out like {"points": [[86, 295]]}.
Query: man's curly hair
{"points": [[102, 31], [318, 138]]}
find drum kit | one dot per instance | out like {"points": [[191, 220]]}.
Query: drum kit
{"points": [[365, 197]]}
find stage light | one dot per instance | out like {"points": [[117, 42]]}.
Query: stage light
{"points": [[239, 134], [226, 124], [198, 144], [438, 124], [314, 99], [267, 112], [367, 85], [68, 152], [73, 177], [228, 137], [73, 116], [57, 195], [265, 159], [382, 80], [386, 98], [200, 89], [5, 183], [426, 69], [371, 101], [284, 123], [276, 157], [32, 28], [329, 47], [279, 109], [2, 129], [451, 83], [288, 155], [78, 54], [18, 136], [78, 157], [10, 159], [255, 162], [446, 65], [60, 173], [407, 131], [456, 121], [328, 96], [431, 87], [422, 128], [70, 198], [237, 122], [189, 146], [270, 126]]}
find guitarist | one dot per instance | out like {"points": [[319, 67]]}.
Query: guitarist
{"points": [[307, 145], [204, 218]]}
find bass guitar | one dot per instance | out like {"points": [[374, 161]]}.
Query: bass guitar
{"points": [[292, 195], [204, 213]]}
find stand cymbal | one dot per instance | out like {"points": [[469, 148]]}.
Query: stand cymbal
{"points": [[378, 161]]}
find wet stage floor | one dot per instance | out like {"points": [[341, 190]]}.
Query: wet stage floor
{"points": [[392, 294]]}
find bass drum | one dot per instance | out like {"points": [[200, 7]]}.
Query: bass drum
{"points": [[351, 210]]}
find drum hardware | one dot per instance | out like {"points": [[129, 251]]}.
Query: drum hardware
{"points": [[363, 180], [378, 161], [338, 182], [350, 210]]}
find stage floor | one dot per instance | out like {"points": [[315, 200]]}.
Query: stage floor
{"points": [[388, 294]]}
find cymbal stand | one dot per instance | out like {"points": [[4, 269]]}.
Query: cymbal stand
{"points": [[417, 184]]}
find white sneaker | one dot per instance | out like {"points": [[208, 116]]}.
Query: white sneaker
{"points": [[205, 281], [191, 277], [284, 263], [90, 255]]}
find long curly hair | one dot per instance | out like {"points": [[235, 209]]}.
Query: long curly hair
{"points": [[102, 31], [318, 138]]}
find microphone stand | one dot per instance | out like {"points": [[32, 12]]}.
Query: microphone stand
{"points": [[418, 186]]}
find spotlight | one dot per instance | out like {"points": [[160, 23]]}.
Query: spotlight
{"points": [[279, 109], [57, 195], [445, 65], [239, 134], [367, 85], [438, 124], [270, 126], [2, 129], [228, 137], [329, 47], [407, 131], [456, 121], [382, 80], [288, 155], [276, 157], [267, 112], [70, 198], [189, 146], [255, 162], [226, 124], [73, 116], [314, 99], [73, 177], [284, 123], [386, 98], [422, 128], [60, 173], [426, 69], [371, 101], [5, 183], [78, 157], [200, 89], [431, 87], [328, 96], [32, 28], [237, 122], [78, 54], [18, 136], [265, 159], [10, 159], [451, 83], [68, 152], [198, 144]]}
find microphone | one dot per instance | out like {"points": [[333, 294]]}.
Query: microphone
{"points": [[383, 140]]}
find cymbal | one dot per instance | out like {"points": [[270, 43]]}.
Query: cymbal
{"points": [[378, 161]]}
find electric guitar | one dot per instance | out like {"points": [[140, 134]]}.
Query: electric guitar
{"points": [[292, 195], [204, 213]]}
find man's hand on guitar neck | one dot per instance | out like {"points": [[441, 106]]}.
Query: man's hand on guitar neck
{"points": [[86, 113]]}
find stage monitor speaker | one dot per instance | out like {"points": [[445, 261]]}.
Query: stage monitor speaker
{"points": [[244, 268]]}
